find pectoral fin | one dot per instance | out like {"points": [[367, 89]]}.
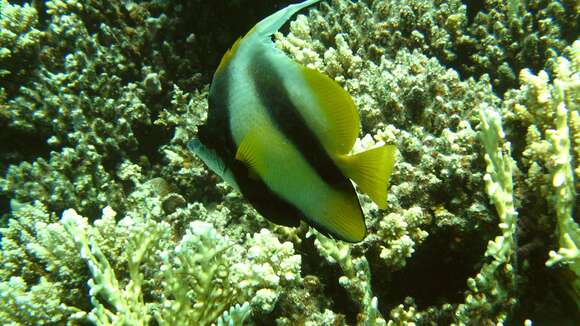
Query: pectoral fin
{"points": [[251, 151], [252, 154], [213, 161]]}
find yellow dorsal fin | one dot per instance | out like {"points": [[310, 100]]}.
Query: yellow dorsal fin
{"points": [[342, 122], [370, 170], [228, 55], [232, 51]]}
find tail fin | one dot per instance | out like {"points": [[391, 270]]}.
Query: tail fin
{"points": [[272, 23], [371, 171]]}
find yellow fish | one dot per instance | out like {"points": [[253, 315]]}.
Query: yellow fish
{"points": [[281, 134]]}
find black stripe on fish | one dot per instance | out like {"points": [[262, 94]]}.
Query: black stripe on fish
{"points": [[217, 135], [274, 97], [264, 200]]}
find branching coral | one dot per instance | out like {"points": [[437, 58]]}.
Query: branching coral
{"points": [[71, 108], [414, 102], [356, 279], [127, 304], [89, 100], [512, 35], [550, 112], [401, 234], [201, 279], [20, 41], [39, 271], [495, 285], [38, 304], [52, 182]]}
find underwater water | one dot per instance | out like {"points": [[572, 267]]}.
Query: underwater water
{"points": [[371, 162]]}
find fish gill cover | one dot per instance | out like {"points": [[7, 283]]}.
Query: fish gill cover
{"points": [[109, 219]]}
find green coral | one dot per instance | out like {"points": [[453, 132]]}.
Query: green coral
{"points": [[200, 279], [38, 304], [39, 272], [550, 109], [508, 36], [127, 303], [356, 279], [71, 102], [51, 181], [492, 291], [20, 41]]}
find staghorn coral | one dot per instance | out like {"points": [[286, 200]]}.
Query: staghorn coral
{"points": [[53, 183], [492, 291], [431, 124], [42, 282], [86, 103], [356, 278], [20, 41], [39, 304], [103, 72], [194, 276], [425, 109], [548, 111], [402, 233], [497, 38], [507, 36]]}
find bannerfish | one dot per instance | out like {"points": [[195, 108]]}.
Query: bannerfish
{"points": [[281, 134]]}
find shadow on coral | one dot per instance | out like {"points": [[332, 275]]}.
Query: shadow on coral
{"points": [[435, 274], [315, 264]]}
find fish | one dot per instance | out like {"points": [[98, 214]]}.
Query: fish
{"points": [[281, 134]]}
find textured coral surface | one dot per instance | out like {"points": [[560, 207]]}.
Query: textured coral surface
{"points": [[108, 219]]}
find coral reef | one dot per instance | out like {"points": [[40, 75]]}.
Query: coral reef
{"points": [[87, 102], [108, 219], [548, 111], [19, 43], [407, 97], [194, 278], [494, 286]]}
